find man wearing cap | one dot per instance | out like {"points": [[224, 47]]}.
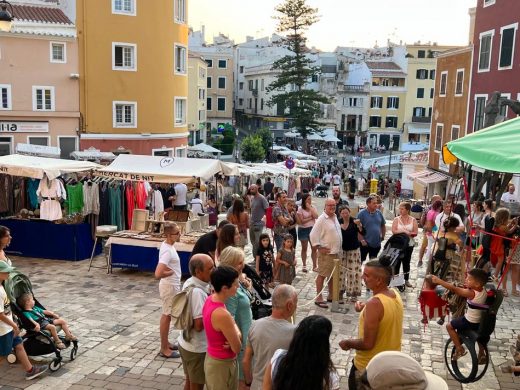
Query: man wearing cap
{"points": [[396, 370], [259, 205], [9, 331], [380, 321]]}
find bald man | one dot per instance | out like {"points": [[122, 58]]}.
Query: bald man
{"points": [[326, 237], [193, 352]]}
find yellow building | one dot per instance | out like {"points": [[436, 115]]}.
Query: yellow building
{"points": [[197, 91], [386, 108], [134, 75], [421, 62]]}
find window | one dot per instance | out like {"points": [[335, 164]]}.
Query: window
{"points": [[432, 74], [42, 141], [420, 93], [222, 82], [202, 94], [376, 102], [455, 132], [262, 85], [480, 105], [123, 7], [208, 82], [221, 104], [241, 85], [180, 59], [250, 103], [222, 64], [503, 107], [43, 99], [240, 102], [209, 104], [261, 104], [438, 137], [124, 56], [124, 114], [392, 102], [179, 11], [241, 69], [180, 112], [202, 73], [487, 3], [210, 63], [421, 74], [391, 121], [459, 83], [444, 82], [58, 52], [5, 97], [250, 85], [484, 58], [421, 54], [507, 46], [5, 145], [314, 78], [431, 93], [419, 111], [375, 121], [67, 145]]}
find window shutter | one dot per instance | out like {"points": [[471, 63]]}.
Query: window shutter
{"points": [[418, 74], [396, 102]]}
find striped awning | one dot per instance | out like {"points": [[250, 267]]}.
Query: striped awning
{"points": [[427, 176]]}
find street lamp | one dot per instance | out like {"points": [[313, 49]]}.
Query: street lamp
{"points": [[391, 146], [6, 16]]}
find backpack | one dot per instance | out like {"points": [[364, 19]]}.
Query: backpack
{"points": [[180, 313]]}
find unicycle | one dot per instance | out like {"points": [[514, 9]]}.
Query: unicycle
{"points": [[466, 369]]}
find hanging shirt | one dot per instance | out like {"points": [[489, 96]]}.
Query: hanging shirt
{"points": [[51, 192], [32, 186], [75, 198], [90, 198], [157, 203]]}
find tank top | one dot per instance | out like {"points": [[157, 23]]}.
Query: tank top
{"points": [[305, 214], [408, 227], [215, 338], [474, 315], [390, 330]]}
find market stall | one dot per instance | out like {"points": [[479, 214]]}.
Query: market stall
{"points": [[30, 204]]}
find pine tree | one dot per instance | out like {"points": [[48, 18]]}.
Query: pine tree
{"points": [[296, 69]]}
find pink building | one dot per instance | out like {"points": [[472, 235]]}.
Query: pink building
{"points": [[39, 87]]}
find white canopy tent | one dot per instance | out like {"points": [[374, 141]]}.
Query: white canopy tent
{"points": [[314, 137], [38, 150], [331, 138], [291, 134], [205, 148], [162, 169], [36, 167], [277, 148], [92, 154], [296, 154]]}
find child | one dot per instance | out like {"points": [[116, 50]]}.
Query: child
{"points": [[475, 293], [9, 331], [45, 319], [286, 261], [264, 260]]}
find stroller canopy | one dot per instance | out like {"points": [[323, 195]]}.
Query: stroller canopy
{"points": [[16, 285]]}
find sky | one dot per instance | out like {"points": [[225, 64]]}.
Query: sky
{"points": [[358, 23]]}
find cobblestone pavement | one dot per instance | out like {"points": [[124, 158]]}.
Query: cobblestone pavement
{"points": [[116, 318]]}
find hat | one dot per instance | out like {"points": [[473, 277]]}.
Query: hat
{"points": [[396, 370], [4, 267]]}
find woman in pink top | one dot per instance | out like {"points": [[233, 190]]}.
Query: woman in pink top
{"points": [[222, 333], [305, 217]]}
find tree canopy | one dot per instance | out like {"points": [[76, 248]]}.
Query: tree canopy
{"points": [[251, 149]]}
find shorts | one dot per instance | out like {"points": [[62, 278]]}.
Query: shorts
{"points": [[461, 324], [221, 374], [8, 342], [193, 365], [166, 292], [326, 264], [304, 232]]}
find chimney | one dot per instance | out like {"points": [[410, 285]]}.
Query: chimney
{"points": [[472, 13]]}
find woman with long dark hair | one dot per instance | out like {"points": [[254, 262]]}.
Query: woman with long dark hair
{"points": [[306, 216], [5, 240], [229, 236], [240, 218], [306, 364]]}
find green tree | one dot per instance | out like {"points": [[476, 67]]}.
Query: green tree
{"points": [[296, 70], [267, 139], [251, 149]]}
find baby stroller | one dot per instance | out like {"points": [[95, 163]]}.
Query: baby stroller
{"points": [[261, 304], [393, 253], [39, 346], [321, 191]]}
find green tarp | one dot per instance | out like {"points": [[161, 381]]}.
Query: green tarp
{"points": [[496, 148]]}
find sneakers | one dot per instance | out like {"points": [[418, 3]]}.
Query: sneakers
{"points": [[408, 284], [35, 372], [458, 354]]}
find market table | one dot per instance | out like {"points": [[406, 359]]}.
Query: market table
{"points": [[142, 254], [48, 240]]}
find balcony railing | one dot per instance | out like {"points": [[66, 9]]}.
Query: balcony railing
{"points": [[353, 88], [422, 119]]}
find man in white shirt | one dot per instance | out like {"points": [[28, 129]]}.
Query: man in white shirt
{"points": [[197, 205], [169, 272], [327, 178], [179, 200], [446, 213], [326, 237], [336, 179], [509, 196], [193, 352], [268, 334]]}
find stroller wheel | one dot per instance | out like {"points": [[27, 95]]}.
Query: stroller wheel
{"points": [[55, 365], [73, 353], [11, 358], [401, 288]]}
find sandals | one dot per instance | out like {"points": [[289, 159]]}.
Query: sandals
{"points": [[505, 293], [304, 269], [458, 354], [71, 338], [321, 304], [59, 344], [482, 359]]}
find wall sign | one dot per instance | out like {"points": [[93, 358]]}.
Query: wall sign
{"points": [[24, 127]]}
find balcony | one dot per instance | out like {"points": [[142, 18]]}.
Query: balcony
{"points": [[255, 92], [422, 119], [353, 88]]}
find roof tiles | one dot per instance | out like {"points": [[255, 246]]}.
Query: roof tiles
{"points": [[40, 14], [383, 65]]}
